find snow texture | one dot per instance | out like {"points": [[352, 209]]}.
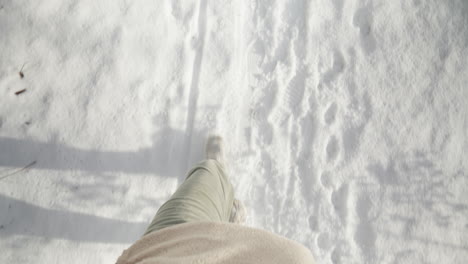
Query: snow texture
{"points": [[345, 122]]}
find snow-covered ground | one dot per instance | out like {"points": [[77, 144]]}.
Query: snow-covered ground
{"points": [[346, 122]]}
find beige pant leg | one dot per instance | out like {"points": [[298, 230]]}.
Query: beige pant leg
{"points": [[205, 195]]}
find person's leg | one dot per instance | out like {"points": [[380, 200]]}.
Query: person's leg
{"points": [[205, 195]]}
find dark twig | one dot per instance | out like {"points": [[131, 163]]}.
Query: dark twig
{"points": [[21, 74], [18, 171], [20, 92]]}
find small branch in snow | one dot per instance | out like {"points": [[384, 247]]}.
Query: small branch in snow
{"points": [[18, 171], [20, 92], [21, 74]]}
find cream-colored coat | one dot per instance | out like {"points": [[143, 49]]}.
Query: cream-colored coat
{"points": [[213, 243]]}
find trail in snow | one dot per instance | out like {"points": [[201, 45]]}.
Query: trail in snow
{"points": [[198, 44], [345, 122]]}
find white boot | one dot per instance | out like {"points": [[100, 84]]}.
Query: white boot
{"points": [[238, 212], [214, 148]]}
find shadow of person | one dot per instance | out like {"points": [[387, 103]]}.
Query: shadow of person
{"points": [[168, 156], [22, 218], [171, 153]]}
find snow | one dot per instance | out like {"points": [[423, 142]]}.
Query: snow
{"points": [[345, 122]]}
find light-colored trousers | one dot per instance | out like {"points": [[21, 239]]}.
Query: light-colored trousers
{"points": [[205, 195]]}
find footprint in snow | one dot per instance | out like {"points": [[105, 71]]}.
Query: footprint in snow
{"points": [[363, 21]]}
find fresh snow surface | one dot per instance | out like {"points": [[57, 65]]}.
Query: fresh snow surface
{"points": [[345, 122]]}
